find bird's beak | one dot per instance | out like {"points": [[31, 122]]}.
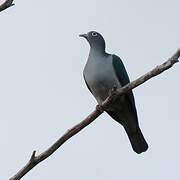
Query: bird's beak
{"points": [[83, 35]]}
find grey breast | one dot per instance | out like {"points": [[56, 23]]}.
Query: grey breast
{"points": [[100, 76]]}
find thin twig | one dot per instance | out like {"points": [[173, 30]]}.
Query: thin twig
{"points": [[6, 4], [34, 160]]}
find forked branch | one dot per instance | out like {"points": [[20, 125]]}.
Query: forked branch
{"points": [[34, 160]]}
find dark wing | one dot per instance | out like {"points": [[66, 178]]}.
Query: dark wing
{"points": [[122, 77]]}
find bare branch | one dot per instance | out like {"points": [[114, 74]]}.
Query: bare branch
{"points": [[34, 160], [33, 156], [6, 4]]}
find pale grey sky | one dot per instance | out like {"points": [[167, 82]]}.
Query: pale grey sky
{"points": [[43, 93]]}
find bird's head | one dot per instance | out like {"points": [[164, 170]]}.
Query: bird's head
{"points": [[95, 40]]}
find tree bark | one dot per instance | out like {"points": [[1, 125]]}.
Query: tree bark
{"points": [[6, 4], [34, 160]]}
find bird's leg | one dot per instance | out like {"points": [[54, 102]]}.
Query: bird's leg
{"points": [[100, 108], [113, 91]]}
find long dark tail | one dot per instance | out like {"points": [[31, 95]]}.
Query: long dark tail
{"points": [[137, 140]]}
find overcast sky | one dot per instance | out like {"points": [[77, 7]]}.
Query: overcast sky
{"points": [[42, 91]]}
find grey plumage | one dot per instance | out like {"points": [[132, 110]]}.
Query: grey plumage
{"points": [[102, 72], [99, 75]]}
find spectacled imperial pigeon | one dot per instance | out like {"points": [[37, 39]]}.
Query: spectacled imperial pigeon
{"points": [[104, 71]]}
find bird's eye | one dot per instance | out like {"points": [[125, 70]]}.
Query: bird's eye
{"points": [[94, 34]]}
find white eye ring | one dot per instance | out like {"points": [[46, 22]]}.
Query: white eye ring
{"points": [[94, 34]]}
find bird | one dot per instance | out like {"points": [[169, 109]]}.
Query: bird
{"points": [[102, 73]]}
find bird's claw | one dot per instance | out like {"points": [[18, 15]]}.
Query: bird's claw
{"points": [[100, 108], [113, 91]]}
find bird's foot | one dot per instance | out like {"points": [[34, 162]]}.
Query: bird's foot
{"points": [[113, 91], [100, 108]]}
